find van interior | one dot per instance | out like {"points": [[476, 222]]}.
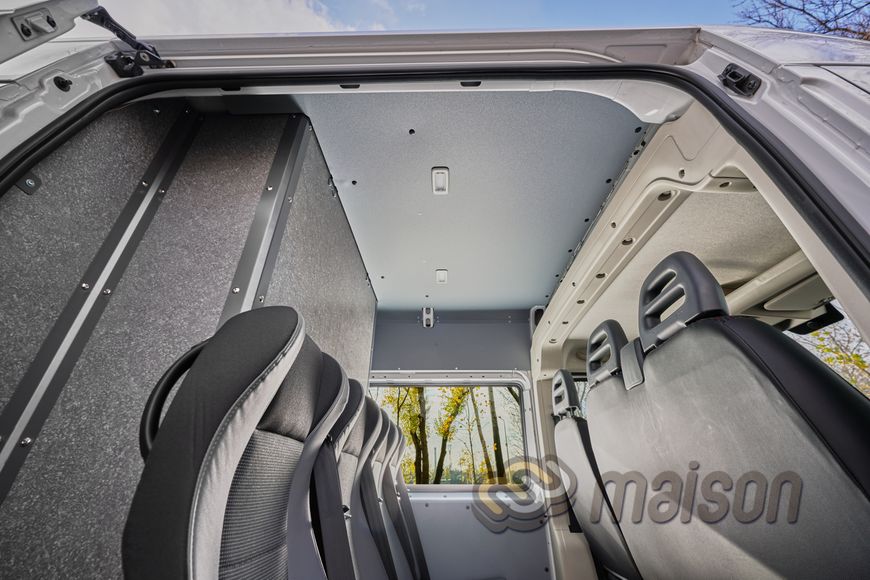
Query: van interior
{"points": [[463, 329]]}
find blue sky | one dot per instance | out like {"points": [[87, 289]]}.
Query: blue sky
{"points": [[488, 14], [168, 17]]}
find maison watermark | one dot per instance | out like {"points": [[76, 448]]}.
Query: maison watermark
{"points": [[542, 489]]}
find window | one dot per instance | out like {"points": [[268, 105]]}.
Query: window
{"points": [[841, 347], [457, 434]]}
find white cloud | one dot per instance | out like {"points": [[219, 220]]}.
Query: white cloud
{"points": [[170, 17], [385, 6], [415, 6]]}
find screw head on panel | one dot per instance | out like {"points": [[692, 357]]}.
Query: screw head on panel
{"points": [[236, 290], [26, 441], [107, 291], [145, 183], [29, 182], [86, 286]]}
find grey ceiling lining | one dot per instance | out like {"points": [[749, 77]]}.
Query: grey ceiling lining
{"points": [[736, 235], [527, 169]]}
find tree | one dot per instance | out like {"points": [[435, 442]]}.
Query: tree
{"points": [[496, 440], [405, 403], [841, 347], [848, 18], [489, 473], [446, 424], [422, 438]]}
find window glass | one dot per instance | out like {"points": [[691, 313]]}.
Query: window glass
{"points": [[457, 434], [841, 347]]}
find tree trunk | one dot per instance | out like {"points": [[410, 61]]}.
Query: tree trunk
{"points": [[424, 439], [416, 441], [496, 439], [439, 467], [470, 441], [489, 473]]}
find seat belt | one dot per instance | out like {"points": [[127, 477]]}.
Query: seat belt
{"points": [[331, 533], [391, 499], [372, 509], [413, 531]]}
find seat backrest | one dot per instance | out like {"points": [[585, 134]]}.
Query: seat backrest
{"points": [[394, 511], [419, 557], [351, 450], [575, 450], [226, 483], [757, 448], [329, 505], [397, 533], [367, 554]]}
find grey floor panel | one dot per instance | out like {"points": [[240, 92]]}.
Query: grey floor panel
{"points": [[48, 239], [65, 514], [320, 272]]}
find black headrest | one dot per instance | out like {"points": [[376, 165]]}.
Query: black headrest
{"points": [[565, 395], [602, 351], [680, 275]]}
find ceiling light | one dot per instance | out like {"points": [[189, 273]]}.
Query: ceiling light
{"points": [[440, 180]]}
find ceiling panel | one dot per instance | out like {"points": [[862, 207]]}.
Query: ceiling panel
{"points": [[527, 170]]}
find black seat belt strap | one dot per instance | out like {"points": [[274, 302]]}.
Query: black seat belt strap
{"points": [[331, 514]]}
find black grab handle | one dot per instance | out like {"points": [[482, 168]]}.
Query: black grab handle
{"points": [[154, 406]]}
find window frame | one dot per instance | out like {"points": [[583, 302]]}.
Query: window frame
{"points": [[435, 379]]}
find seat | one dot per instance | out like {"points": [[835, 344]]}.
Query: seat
{"points": [[758, 451], [396, 511], [576, 457], [367, 529], [390, 510], [224, 491], [329, 503], [421, 568]]}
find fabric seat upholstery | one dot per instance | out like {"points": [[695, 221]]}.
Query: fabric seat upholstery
{"points": [[576, 456], [725, 400], [224, 491]]}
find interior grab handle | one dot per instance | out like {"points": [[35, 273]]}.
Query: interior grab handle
{"points": [[150, 422]]}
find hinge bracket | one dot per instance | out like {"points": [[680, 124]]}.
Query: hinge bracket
{"points": [[127, 63], [740, 80]]}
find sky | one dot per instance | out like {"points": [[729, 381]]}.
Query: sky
{"points": [[173, 17]]}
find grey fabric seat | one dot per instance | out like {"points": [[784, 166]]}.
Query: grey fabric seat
{"points": [[364, 505], [330, 505], [421, 568], [225, 489], [389, 504], [716, 402], [396, 512], [576, 456]]}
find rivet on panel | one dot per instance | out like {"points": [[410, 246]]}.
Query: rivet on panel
{"points": [[26, 441], [236, 290], [107, 291]]}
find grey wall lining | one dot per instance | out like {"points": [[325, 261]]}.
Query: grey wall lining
{"points": [[65, 513], [486, 340], [48, 239], [320, 273]]}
